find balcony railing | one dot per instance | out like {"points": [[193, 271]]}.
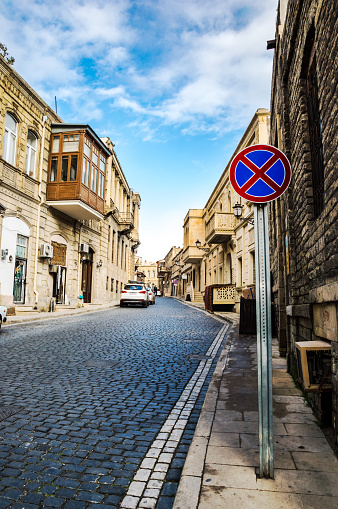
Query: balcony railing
{"points": [[220, 227], [126, 219], [18, 180]]}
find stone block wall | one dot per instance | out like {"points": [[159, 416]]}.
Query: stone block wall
{"points": [[304, 245]]}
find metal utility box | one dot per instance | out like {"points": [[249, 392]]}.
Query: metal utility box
{"points": [[314, 365]]}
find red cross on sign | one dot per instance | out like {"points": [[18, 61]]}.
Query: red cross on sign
{"points": [[260, 173]]}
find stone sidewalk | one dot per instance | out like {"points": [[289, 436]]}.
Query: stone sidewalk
{"points": [[23, 317], [220, 469]]}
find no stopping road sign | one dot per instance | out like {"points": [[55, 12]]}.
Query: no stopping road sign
{"points": [[260, 173]]}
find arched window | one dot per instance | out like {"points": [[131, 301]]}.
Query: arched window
{"points": [[10, 139], [31, 154]]}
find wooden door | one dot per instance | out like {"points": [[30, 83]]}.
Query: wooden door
{"points": [[87, 280]]}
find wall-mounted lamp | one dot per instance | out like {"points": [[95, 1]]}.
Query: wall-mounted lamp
{"points": [[178, 265], [99, 264], [238, 210], [198, 245]]}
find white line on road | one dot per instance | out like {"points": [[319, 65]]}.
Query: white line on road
{"points": [[146, 486]]}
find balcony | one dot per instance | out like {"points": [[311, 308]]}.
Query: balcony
{"points": [[126, 219], [162, 271], [77, 172], [192, 255], [12, 177], [126, 222], [220, 228]]}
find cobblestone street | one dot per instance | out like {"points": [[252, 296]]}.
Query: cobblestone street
{"points": [[99, 410]]}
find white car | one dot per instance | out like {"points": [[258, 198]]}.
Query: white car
{"points": [[134, 293], [151, 296], [3, 313]]}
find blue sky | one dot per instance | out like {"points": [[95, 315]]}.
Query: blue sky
{"points": [[173, 83]]}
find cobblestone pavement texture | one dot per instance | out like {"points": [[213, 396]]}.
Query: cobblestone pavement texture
{"points": [[83, 398]]}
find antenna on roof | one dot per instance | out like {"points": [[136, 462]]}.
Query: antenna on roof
{"points": [[56, 106]]}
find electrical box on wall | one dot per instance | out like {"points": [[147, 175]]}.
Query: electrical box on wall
{"points": [[4, 254], [314, 365]]}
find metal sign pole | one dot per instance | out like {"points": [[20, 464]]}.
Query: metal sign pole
{"points": [[264, 356]]}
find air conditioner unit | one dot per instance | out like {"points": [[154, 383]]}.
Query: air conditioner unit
{"points": [[46, 251], [84, 248], [314, 365]]}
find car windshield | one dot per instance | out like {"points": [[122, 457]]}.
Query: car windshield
{"points": [[133, 287]]}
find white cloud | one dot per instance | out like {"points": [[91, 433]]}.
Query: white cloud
{"points": [[200, 65]]}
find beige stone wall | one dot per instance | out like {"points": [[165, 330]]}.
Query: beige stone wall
{"points": [[150, 271]]}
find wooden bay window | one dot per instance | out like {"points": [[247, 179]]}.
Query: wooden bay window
{"points": [[77, 170]]}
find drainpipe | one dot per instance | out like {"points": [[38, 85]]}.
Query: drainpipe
{"points": [[44, 120]]}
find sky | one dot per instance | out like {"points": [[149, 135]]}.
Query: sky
{"points": [[173, 83]]}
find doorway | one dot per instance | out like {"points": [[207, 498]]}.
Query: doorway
{"points": [[59, 285], [86, 283], [19, 288]]}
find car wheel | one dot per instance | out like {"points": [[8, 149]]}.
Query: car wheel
{"points": [[121, 305], [0, 322]]}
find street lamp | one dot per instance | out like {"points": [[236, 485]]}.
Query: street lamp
{"points": [[198, 245], [238, 209]]}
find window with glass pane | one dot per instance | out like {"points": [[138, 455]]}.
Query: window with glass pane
{"points": [[86, 147], [102, 189], [64, 168], [53, 169], [71, 143], [21, 246], [95, 181], [73, 168], [95, 157], [84, 170], [30, 153], [56, 144], [10, 139], [92, 179], [102, 163], [99, 193], [87, 173]]}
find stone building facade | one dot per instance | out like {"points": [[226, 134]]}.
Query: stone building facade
{"points": [[148, 271], [303, 222], [225, 254], [66, 238]]}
